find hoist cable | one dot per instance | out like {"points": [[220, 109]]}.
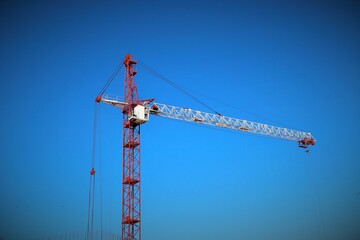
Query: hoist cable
{"points": [[177, 87], [101, 182], [92, 181], [94, 138], [93, 203], [111, 185], [314, 189], [89, 204], [92, 174]]}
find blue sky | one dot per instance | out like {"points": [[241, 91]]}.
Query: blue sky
{"points": [[287, 63]]}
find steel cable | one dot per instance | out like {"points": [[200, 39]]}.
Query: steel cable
{"points": [[177, 87], [112, 77], [187, 92]]}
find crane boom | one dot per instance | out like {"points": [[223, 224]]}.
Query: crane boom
{"points": [[186, 114], [216, 120]]}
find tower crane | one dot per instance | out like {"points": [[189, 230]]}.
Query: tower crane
{"points": [[137, 112]]}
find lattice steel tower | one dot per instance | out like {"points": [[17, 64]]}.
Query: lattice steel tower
{"points": [[131, 216]]}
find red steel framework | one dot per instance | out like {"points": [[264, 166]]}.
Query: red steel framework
{"points": [[135, 112], [131, 218]]}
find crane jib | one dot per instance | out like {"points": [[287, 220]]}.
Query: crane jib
{"points": [[186, 114]]}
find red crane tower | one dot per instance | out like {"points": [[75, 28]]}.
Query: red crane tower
{"points": [[131, 224], [136, 112]]}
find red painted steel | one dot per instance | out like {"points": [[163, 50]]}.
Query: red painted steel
{"points": [[98, 99], [304, 143], [131, 215]]}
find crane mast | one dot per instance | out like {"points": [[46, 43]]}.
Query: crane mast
{"points": [[131, 218], [136, 112]]}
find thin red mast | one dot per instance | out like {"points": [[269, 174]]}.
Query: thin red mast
{"points": [[131, 217]]}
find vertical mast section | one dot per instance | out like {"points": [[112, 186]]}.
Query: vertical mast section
{"points": [[131, 224]]}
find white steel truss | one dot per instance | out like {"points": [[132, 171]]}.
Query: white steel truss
{"points": [[216, 120], [189, 115]]}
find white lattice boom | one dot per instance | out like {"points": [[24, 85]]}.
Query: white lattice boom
{"points": [[189, 115]]}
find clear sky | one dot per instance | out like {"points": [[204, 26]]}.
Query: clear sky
{"points": [[289, 63]]}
